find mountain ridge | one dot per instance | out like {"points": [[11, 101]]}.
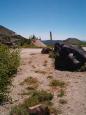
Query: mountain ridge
{"points": [[6, 31]]}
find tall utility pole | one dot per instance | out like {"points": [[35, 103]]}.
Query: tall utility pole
{"points": [[50, 35]]}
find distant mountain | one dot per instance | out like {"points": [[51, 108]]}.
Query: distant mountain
{"points": [[70, 41], [51, 42], [73, 41]]}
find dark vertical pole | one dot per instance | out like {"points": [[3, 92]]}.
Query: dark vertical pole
{"points": [[50, 35]]}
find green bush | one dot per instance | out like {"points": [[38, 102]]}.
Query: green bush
{"points": [[9, 62]]}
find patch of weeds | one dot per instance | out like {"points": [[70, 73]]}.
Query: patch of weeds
{"points": [[42, 95], [19, 110], [62, 101], [29, 81], [62, 93], [57, 83], [32, 87], [31, 101], [37, 97]]}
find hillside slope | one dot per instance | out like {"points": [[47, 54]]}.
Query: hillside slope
{"points": [[10, 37], [6, 31]]}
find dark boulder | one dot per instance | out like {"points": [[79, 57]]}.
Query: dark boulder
{"points": [[70, 57], [46, 50]]}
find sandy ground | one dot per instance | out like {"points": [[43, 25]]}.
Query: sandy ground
{"points": [[31, 61]]}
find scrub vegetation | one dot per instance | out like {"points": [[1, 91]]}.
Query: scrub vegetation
{"points": [[9, 62]]}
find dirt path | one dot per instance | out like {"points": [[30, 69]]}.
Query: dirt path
{"points": [[75, 92], [33, 65]]}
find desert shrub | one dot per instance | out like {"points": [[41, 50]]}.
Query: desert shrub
{"points": [[9, 62], [14, 62], [35, 98], [4, 82]]}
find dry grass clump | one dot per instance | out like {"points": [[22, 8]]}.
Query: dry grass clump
{"points": [[55, 83], [29, 81], [36, 97], [31, 85]]}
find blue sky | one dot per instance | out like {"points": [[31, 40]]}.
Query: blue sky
{"points": [[65, 18]]}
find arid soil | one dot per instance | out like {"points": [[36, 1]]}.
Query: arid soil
{"points": [[40, 66]]}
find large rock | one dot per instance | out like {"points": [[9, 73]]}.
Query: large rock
{"points": [[46, 50], [70, 57]]}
